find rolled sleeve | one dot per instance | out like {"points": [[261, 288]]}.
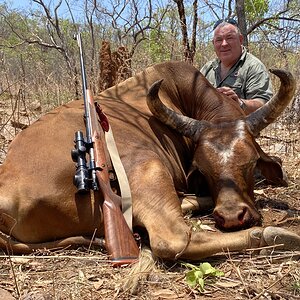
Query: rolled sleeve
{"points": [[258, 84]]}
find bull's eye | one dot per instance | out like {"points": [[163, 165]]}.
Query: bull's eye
{"points": [[248, 169]]}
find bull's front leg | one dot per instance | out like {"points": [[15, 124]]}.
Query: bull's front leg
{"points": [[204, 244], [157, 208], [173, 239]]}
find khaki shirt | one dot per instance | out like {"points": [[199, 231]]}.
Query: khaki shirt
{"points": [[249, 77]]}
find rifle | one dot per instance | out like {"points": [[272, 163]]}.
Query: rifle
{"points": [[94, 174]]}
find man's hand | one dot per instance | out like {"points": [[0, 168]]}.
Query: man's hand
{"points": [[229, 92], [248, 106]]}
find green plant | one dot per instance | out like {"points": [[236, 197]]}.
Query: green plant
{"points": [[197, 276], [296, 286]]}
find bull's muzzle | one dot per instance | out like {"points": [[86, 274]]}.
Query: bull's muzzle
{"points": [[235, 216]]}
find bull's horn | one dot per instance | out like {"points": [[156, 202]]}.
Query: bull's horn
{"points": [[186, 126], [269, 112]]}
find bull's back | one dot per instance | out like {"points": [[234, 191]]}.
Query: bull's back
{"points": [[140, 136], [180, 80]]}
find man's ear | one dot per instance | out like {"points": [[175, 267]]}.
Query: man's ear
{"points": [[241, 39]]}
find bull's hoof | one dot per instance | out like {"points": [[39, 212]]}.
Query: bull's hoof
{"points": [[255, 237], [283, 238]]}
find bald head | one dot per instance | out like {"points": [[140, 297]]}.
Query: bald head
{"points": [[227, 43], [225, 23]]}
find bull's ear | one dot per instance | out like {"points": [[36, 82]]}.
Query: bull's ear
{"points": [[197, 183], [271, 168]]}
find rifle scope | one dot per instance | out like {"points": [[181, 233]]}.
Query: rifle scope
{"points": [[81, 177]]}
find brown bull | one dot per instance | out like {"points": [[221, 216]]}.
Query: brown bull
{"points": [[213, 142]]}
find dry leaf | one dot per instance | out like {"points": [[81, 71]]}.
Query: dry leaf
{"points": [[81, 275], [165, 294], [259, 192], [98, 284], [206, 227], [227, 284]]}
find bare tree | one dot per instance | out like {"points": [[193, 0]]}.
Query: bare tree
{"points": [[130, 20], [285, 11], [58, 39], [189, 48], [55, 38], [241, 16]]}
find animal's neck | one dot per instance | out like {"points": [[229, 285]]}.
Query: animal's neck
{"points": [[214, 107]]}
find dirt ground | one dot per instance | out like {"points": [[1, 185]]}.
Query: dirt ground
{"points": [[87, 273]]}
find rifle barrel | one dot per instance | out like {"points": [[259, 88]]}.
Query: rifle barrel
{"points": [[120, 242]]}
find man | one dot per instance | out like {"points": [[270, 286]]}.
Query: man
{"points": [[237, 73]]}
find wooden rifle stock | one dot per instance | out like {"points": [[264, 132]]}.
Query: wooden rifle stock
{"points": [[119, 240]]}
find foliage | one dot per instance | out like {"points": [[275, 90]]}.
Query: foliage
{"points": [[256, 9], [296, 285], [155, 46], [197, 276]]}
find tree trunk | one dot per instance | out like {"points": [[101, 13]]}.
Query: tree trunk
{"points": [[240, 11], [188, 53]]}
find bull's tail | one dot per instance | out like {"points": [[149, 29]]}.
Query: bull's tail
{"points": [[139, 271], [11, 246]]}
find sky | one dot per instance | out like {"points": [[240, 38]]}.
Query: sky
{"points": [[77, 7], [27, 4]]}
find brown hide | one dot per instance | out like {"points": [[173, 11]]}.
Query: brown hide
{"points": [[39, 204], [38, 200]]}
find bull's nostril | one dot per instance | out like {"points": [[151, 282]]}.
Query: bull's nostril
{"points": [[219, 219], [241, 216]]}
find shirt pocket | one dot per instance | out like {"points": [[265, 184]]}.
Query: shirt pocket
{"points": [[235, 83]]}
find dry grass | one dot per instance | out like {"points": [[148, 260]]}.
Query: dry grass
{"points": [[88, 275]]}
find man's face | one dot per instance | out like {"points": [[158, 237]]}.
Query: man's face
{"points": [[228, 44]]}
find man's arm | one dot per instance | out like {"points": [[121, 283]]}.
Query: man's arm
{"points": [[252, 105], [249, 105]]}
